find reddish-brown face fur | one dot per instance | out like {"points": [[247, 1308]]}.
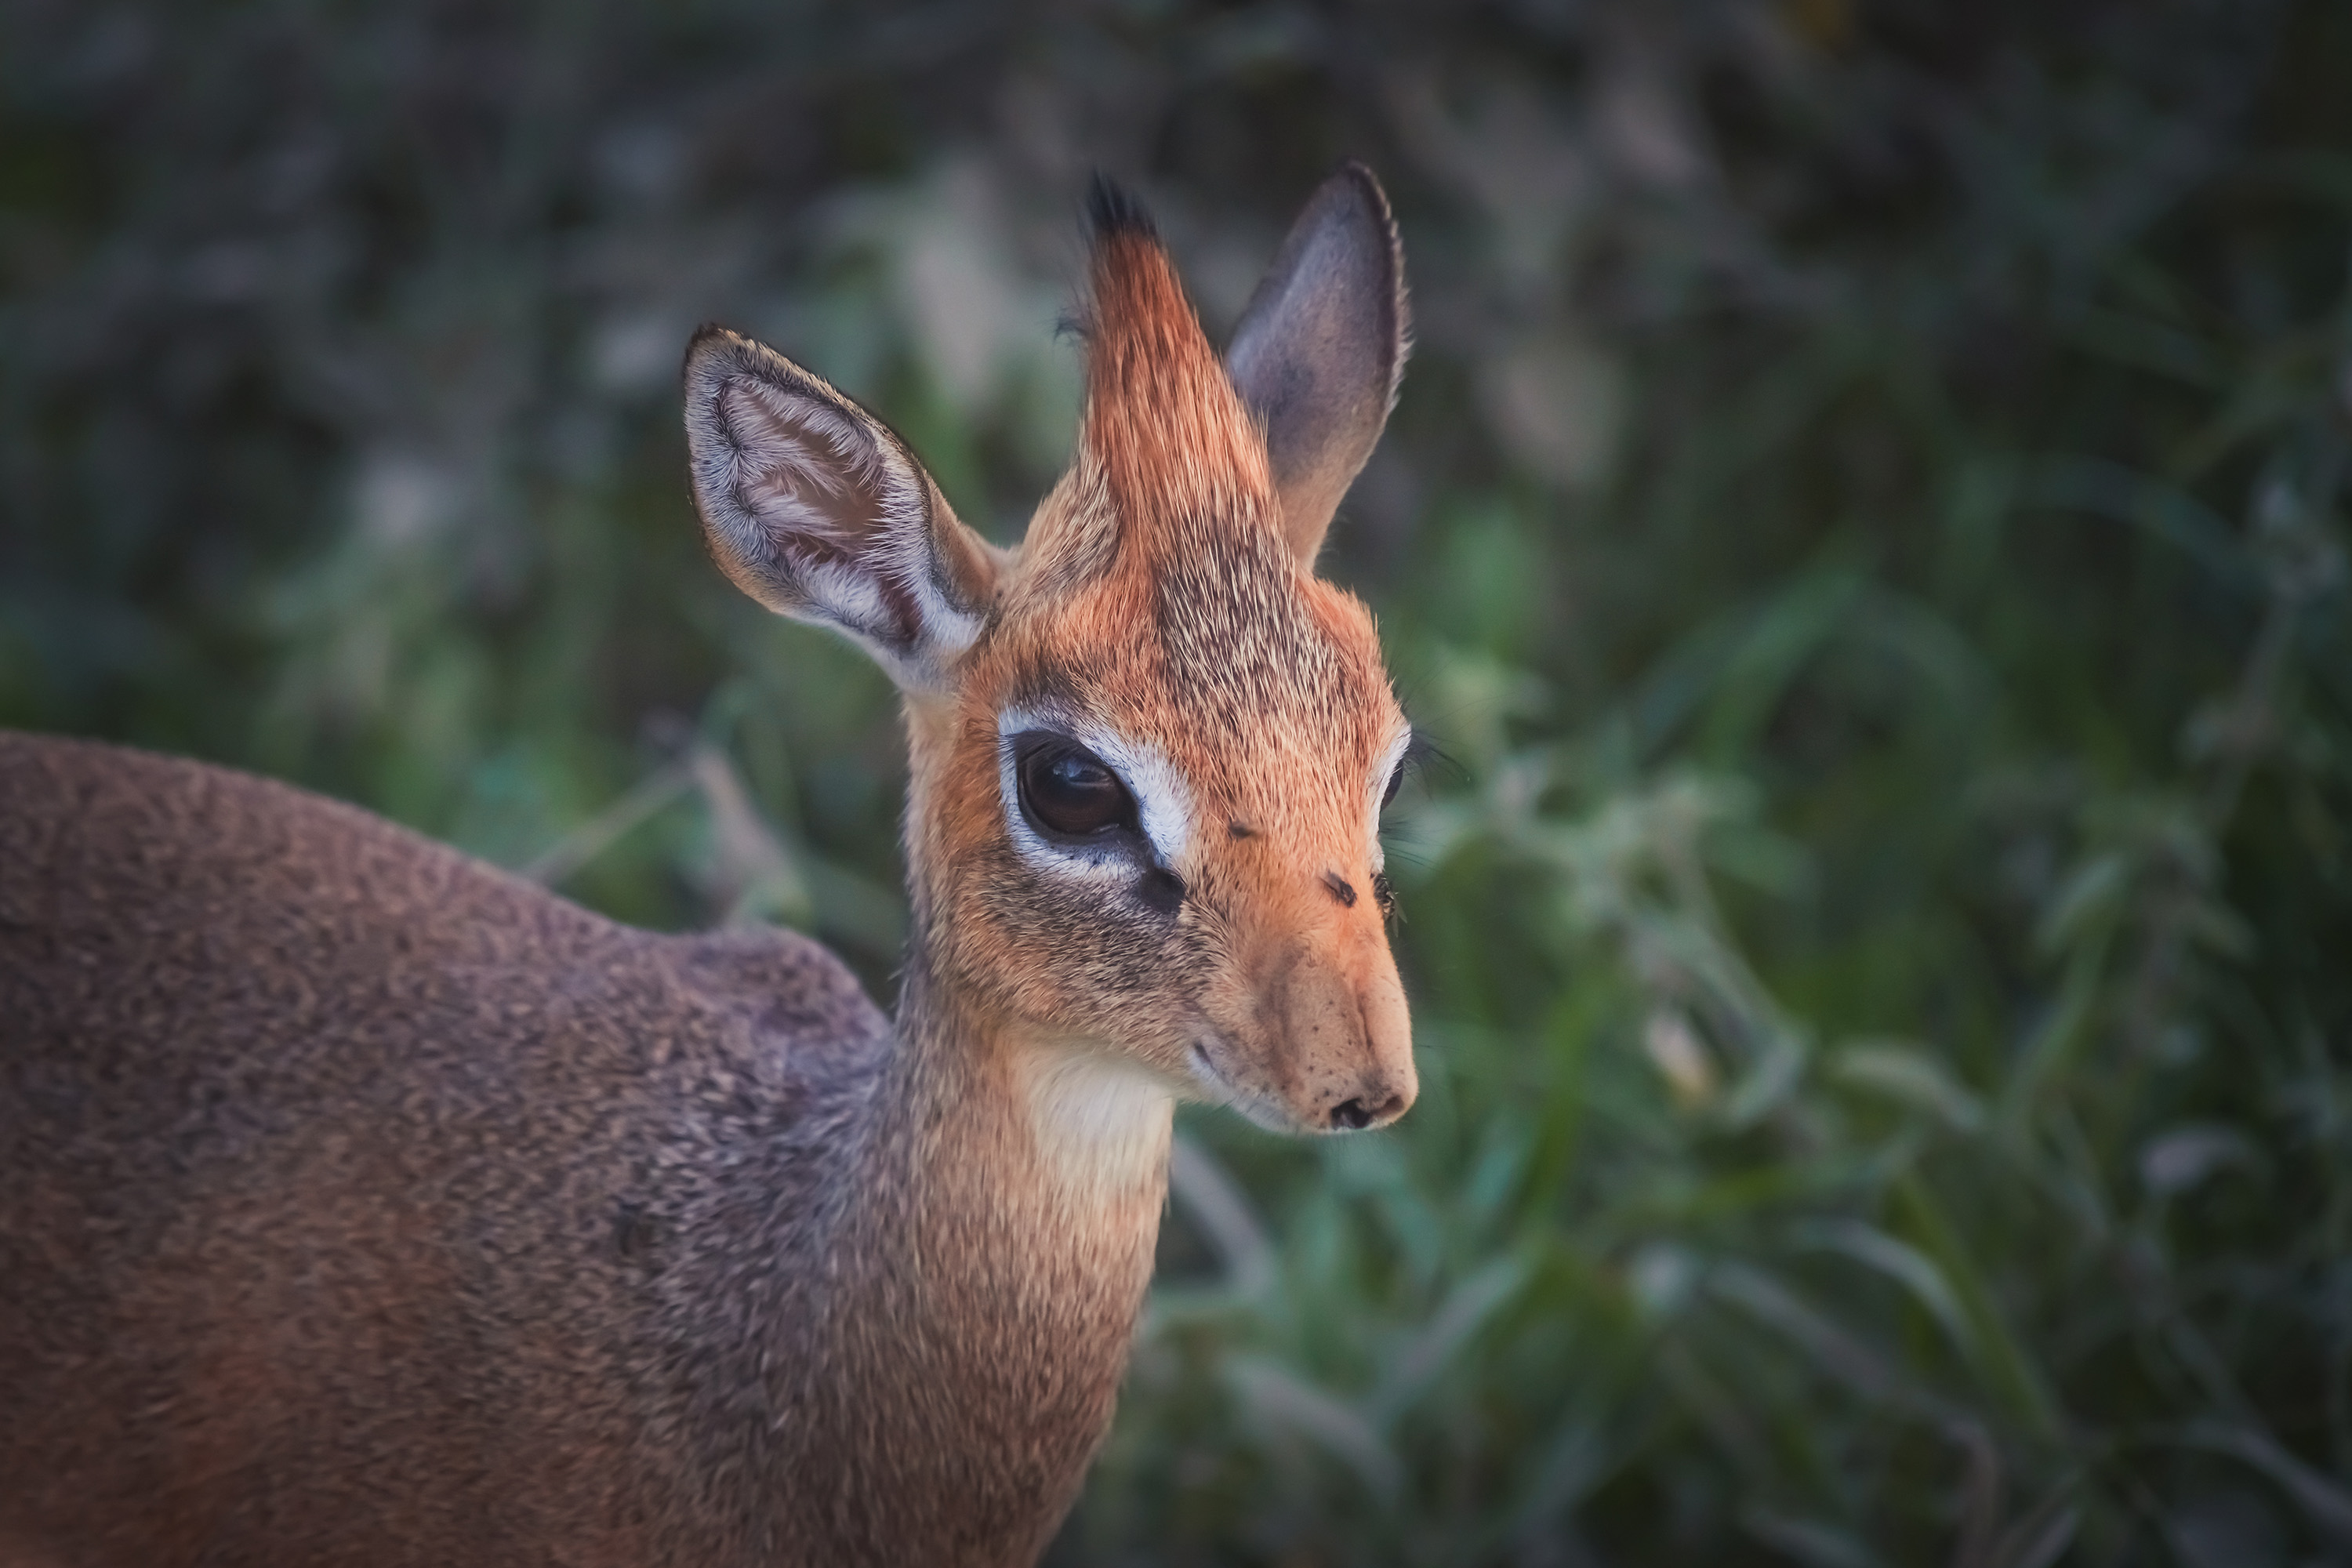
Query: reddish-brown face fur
{"points": [[1157, 605]]}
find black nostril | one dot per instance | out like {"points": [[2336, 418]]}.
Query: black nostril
{"points": [[1351, 1114]]}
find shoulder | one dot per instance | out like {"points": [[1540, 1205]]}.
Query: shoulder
{"points": [[785, 987]]}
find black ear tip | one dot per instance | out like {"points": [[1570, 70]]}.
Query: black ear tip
{"points": [[708, 338], [1112, 209], [1355, 183]]}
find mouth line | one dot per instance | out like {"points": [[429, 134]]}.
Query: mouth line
{"points": [[1253, 1107], [1205, 1069]]}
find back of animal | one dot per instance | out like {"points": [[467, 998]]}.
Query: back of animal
{"points": [[266, 1058]]}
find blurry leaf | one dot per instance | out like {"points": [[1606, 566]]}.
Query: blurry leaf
{"points": [[957, 283], [1661, 1276], [1474, 699], [1808, 1542], [1727, 1422], [1555, 402], [2325, 1501], [591, 838], [1765, 1085], [1282, 1402], [2047, 1049], [2007, 1365], [1785, 634], [2150, 345], [2226, 1526], [2173, 1162], [1736, 669], [1981, 1498], [1498, 1172], [748, 871], [1218, 1205], [1423, 1357], [1741, 1196], [1909, 1075], [1675, 1051], [1766, 861], [1899, 627], [1903, 1264], [2222, 930], [2042, 1536], [1829, 1346], [2110, 490], [851, 906], [2091, 893], [1492, 589], [1576, 1459]]}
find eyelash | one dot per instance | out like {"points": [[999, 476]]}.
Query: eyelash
{"points": [[1422, 756]]}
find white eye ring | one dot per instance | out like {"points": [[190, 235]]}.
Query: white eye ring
{"points": [[1164, 805], [1376, 792]]}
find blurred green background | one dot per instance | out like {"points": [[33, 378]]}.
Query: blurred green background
{"points": [[1865, 519]]}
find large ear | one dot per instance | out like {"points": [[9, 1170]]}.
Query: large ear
{"points": [[1321, 347], [817, 509]]}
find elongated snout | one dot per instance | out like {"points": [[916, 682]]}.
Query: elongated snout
{"points": [[1341, 1046]]}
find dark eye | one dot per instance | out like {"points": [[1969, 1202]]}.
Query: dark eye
{"points": [[1067, 790]]}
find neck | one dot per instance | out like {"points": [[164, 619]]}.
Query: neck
{"points": [[984, 1281], [982, 1121]]}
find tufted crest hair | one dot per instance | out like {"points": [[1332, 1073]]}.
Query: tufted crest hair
{"points": [[1273, 434], [1175, 447]]}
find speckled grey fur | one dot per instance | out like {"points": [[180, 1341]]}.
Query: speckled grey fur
{"points": [[362, 1203]]}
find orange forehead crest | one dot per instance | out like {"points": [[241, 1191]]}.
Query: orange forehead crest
{"points": [[1174, 441]]}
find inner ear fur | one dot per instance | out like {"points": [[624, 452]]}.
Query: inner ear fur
{"points": [[817, 509], [1321, 347]]}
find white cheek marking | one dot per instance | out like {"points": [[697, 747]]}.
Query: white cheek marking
{"points": [[1161, 802], [1386, 770], [1163, 805]]}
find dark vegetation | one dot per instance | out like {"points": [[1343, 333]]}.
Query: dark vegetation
{"points": [[1866, 521]]}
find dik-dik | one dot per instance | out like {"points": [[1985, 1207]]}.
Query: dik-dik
{"points": [[361, 1203]]}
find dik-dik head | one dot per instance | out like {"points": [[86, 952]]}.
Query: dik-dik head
{"points": [[1150, 747]]}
